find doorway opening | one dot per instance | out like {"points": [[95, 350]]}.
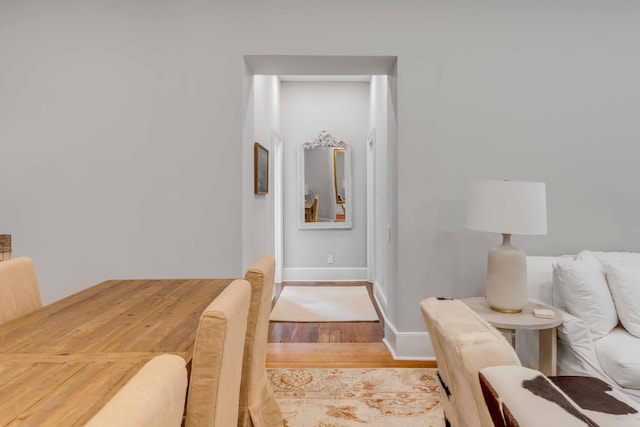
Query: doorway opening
{"points": [[276, 86]]}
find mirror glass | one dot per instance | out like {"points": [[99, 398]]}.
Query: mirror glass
{"points": [[324, 177]]}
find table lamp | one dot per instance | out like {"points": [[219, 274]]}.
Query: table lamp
{"points": [[507, 207]]}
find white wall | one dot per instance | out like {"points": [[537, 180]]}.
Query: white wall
{"points": [[119, 143], [380, 191], [263, 115], [121, 147], [342, 109]]}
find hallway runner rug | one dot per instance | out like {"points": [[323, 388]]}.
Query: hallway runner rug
{"points": [[346, 397], [324, 304]]}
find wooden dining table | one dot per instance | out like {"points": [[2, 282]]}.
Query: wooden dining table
{"points": [[60, 364]]}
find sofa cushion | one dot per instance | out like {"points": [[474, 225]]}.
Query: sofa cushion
{"points": [[619, 356], [624, 283], [581, 288]]}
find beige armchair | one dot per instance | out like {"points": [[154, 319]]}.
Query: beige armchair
{"points": [[464, 343], [19, 291], [214, 385], [483, 383], [258, 406], [154, 397]]}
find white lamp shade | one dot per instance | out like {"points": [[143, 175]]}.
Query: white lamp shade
{"points": [[507, 207]]}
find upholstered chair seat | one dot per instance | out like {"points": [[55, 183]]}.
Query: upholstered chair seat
{"points": [[258, 406], [464, 343], [19, 291], [154, 397], [216, 367]]}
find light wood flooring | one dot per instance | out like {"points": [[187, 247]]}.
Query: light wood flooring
{"points": [[332, 344]]}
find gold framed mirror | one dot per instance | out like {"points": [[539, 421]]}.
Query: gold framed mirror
{"points": [[324, 183]]}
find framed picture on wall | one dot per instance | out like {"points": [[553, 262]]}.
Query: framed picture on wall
{"points": [[260, 169]]}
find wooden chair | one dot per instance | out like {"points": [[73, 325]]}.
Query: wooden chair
{"points": [[216, 369], [313, 215], [19, 291], [311, 210], [258, 406], [154, 397]]}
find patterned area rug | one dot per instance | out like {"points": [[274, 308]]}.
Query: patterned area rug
{"points": [[324, 304], [345, 397]]}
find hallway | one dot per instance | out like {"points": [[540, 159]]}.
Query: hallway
{"points": [[332, 344], [326, 332]]}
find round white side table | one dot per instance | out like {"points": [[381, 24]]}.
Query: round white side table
{"points": [[508, 323]]}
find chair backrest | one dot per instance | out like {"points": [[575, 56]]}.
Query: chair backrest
{"points": [[19, 291], [314, 210], [464, 343], [258, 406], [216, 367], [153, 397]]}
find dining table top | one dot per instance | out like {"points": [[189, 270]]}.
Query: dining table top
{"points": [[56, 393], [60, 364], [116, 316]]}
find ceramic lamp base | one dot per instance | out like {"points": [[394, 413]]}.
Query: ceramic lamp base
{"points": [[507, 278]]}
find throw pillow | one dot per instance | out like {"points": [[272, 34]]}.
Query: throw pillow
{"points": [[581, 287], [624, 282], [607, 258]]}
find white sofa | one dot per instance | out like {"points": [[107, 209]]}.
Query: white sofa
{"points": [[599, 296]]}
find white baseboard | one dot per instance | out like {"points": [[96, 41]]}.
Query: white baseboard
{"points": [[407, 345], [324, 274], [380, 297], [402, 345]]}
